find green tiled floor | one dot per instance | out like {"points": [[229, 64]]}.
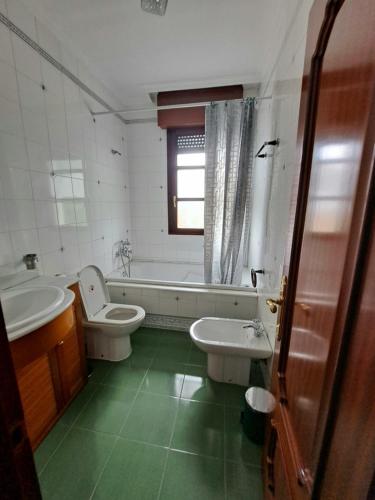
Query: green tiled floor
{"points": [[153, 427]]}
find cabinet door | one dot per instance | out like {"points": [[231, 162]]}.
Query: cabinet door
{"points": [[69, 363], [38, 397]]}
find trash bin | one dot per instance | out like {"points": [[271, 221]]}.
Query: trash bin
{"points": [[258, 404]]}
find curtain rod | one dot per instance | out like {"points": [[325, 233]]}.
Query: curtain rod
{"points": [[175, 106]]}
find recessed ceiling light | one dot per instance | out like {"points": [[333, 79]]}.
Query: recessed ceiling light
{"points": [[154, 6]]}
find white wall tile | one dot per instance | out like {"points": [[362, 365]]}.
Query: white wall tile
{"points": [[13, 152], [49, 239], [20, 214], [16, 183], [52, 263], [31, 94], [6, 53], [50, 131], [43, 186], [45, 213], [8, 82], [39, 157], [22, 17], [3, 218], [6, 251], [10, 117], [26, 59], [35, 124], [24, 242]]}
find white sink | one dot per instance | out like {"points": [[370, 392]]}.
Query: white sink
{"points": [[28, 308]]}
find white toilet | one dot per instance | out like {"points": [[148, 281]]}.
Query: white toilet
{"points": [[107, 326]]}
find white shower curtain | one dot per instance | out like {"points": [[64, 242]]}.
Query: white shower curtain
{"points": [[229, 161]]}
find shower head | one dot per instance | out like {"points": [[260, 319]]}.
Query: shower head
{"points": [[154, 6]]}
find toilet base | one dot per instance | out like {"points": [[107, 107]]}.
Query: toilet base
{"points": [[100, 346], [229, 369]]}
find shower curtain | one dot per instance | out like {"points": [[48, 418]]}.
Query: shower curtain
{"points": [[229, 161]]}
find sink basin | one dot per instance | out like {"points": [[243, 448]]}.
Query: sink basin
{"points": [[29, 305]]}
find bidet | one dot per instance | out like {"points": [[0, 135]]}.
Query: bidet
{"points": [[230, 345]]}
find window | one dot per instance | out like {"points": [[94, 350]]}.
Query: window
{"points": [[186, 172]]}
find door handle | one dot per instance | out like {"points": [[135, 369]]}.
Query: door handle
{"points": [[175, 201], [277, 305], [273, 303]]}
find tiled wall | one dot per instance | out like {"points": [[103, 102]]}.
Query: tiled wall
{"points": [[274, 177], [147, 156], [63, 194], [193, 303]]}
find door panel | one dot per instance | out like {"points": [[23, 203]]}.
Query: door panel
{"points": [[347, 471], [342, 120], [38, 398], [69, 362], [329, 219]]}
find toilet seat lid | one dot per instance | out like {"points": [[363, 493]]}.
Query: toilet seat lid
{"points": [[93, 290]]}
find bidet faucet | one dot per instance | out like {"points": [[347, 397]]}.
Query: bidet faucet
{"points": [[257, 325]]}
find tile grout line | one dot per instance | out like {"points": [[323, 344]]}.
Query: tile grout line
{"points": [[117, 438], [170, 443], [70, 427], [172, 434], [225, 457]]}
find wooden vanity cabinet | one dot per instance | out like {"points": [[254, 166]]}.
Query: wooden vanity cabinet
{"points": [[51, 369]]}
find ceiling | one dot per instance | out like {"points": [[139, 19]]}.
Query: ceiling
{"points": [[198, 43]]}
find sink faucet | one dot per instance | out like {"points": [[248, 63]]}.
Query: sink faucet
{"points": [[257, 325]]}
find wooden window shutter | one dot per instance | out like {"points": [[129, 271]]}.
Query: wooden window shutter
{"points": [[192, 117]]}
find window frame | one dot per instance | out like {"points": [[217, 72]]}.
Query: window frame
{"points": [[172, 135]]}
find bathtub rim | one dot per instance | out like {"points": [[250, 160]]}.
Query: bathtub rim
{"points": [[180, 286]]}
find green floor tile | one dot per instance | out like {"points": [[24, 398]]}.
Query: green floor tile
{"points": [[99, 369], [197, 357], [238, 447], [145, 349], [78, 404], [199, 387], [146, 336], [107, 409], [243, 482], [129, 373], [189, 477], [199, 428], [164, 377], [133, 472], [234, 395], [49, 445], [160, 396], [178, 351], [151, 419], [168, 337], [72, 473], [145, 344]]}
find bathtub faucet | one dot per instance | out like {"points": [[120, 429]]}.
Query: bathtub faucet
{"points": [[257, 325]]}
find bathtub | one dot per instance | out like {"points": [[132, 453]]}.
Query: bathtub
{"points": [[171, 273], [163, 271], [174, 295]]}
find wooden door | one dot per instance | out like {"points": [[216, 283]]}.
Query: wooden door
{"points": [[336, 119]]}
